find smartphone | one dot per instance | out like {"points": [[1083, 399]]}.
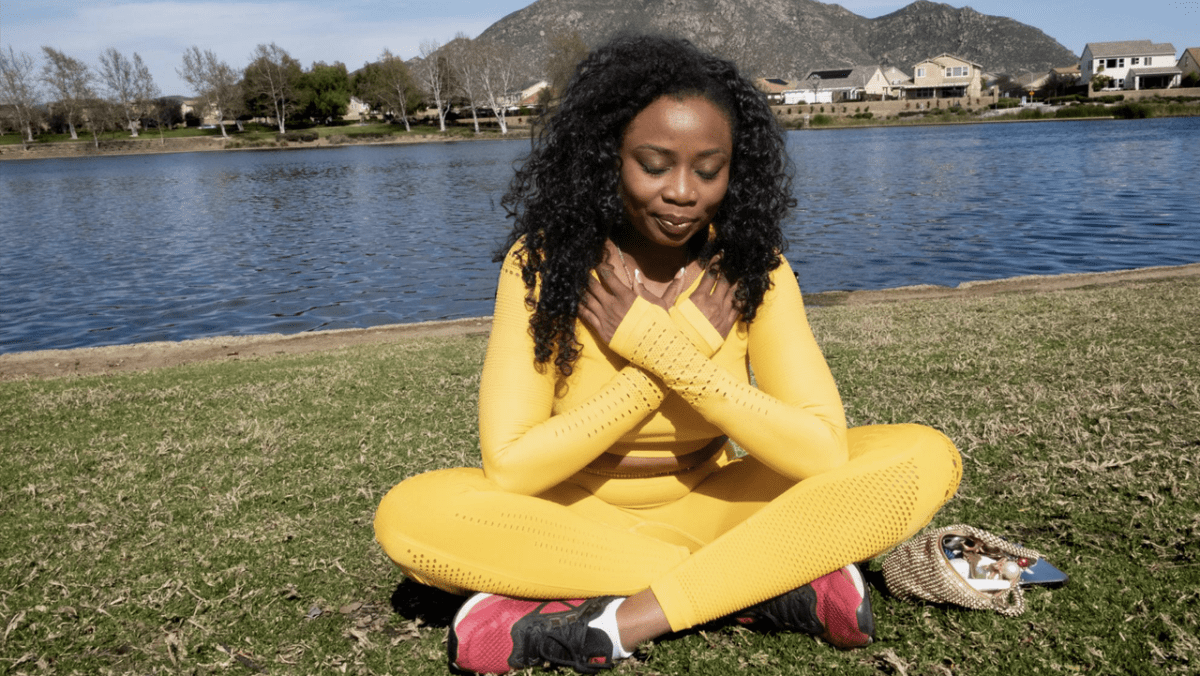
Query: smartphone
{"points": [[1043, 574]]}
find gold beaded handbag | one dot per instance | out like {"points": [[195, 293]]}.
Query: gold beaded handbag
{"points": [[962, 565]]}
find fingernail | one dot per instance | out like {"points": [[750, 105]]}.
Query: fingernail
{"points": [[679, 274], [637, 274]]}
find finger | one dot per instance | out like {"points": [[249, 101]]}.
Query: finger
{"points": [[676, 287]]}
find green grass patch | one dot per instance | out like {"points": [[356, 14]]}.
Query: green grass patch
{"points": [[216, 517]]}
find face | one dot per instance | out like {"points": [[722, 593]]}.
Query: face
{"points": [[675, 168]]}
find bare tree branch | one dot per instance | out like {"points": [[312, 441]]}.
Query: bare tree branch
{"points": [[129, 85], [434, 77], [71, 81], [216, 82], [19, 89]]}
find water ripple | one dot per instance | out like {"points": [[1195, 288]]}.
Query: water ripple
{"points": [[128, 249]]}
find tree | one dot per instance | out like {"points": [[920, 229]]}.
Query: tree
{"points": [[99, 115], [466, 62], [323, 93], [497, 77], [129, 83], [269, 84], [1057, 84], [19, 91], [71, 82], [166, 111], [565, 52], [435, 78], [388, 86], [1100, 82], [216, 82]]}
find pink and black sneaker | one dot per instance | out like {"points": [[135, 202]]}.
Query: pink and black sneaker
{"points": [[836, 607], [494, 634]]}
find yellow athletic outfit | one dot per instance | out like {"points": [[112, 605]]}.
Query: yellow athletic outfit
{"points": [[545, 519]]}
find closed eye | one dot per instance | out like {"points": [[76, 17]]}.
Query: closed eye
{"points": [[654, 171]]}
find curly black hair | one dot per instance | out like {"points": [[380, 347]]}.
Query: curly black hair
{"points": [[565, 197]]}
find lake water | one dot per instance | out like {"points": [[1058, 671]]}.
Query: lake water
{"points": [[110, 250]]}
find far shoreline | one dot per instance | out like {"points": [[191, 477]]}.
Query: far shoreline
{"points": [[111, 359], [58, 150], [84, 148]]}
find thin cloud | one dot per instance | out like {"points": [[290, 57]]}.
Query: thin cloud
{"points": [[161, 31]]}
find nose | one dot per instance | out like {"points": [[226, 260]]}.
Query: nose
{"points": [[681, 187]]}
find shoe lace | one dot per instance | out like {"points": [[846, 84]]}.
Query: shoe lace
{"points": [[566, 645]]}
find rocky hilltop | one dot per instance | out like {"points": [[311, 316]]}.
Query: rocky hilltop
{"points": [[787, 38]]}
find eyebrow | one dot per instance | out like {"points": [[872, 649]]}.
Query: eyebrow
{"points": [[665, 151]]}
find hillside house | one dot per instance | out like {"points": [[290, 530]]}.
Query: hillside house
{"points": [[529, 94], [945, 76], [859, 83], [357, 110], [897, 78], [1189, 62], [773, 87], [1131, 64]]}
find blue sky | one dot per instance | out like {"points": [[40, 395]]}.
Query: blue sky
{"points": [[356, 31]]}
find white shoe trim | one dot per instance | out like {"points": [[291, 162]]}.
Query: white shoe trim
{"points": [[466, 607], [857, 578]]}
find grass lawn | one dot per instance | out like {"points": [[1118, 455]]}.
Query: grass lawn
{"points": [[258, 134], [216, 517]]}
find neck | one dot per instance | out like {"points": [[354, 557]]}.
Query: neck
{"points": [[657, 263]]}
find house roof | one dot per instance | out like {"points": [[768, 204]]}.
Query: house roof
{"points": [[947, 55], [840, 78], [896, 76], [773, 85], [1067, 70], [1165, 70], [1034, 80], [1129, 48]]}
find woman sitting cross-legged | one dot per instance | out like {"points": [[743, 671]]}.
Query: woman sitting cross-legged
{"points": [[642, 285]]}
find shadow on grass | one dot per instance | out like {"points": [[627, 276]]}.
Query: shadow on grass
{"points": [[432, 606]]}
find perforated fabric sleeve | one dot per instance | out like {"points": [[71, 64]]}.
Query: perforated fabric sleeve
{"points": [[525, 448], [793, 421]]}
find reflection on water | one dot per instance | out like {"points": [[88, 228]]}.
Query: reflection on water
{"points": [[128, 249]]}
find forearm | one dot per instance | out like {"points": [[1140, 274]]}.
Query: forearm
{"points": [[527, 450], [798, 436]]}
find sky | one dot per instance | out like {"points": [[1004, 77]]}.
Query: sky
{"points": [[356, 31]]}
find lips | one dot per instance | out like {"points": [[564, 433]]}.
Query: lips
{"points": [[674, 224]]}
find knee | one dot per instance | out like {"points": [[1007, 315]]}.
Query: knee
{"points": [[933, 454], [413, 505]]}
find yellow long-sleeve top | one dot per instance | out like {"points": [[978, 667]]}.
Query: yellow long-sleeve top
{"points": [[666, 385]]}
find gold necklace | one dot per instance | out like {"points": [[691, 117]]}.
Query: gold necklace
{"points": [[625, 266]]}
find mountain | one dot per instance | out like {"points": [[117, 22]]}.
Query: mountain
{"points": [[787, 38]]}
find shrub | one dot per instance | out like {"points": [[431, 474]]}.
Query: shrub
{"points": [[1006, 103], [297, 137], [863, 116], [1084, 110], [1132, 111], [821, 120]]}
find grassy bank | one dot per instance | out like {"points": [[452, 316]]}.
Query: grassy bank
{"points": [[861, 115], [253, 136], [216, 517]]}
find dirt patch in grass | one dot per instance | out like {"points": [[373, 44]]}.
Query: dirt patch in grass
{"points": [[141, 356]]}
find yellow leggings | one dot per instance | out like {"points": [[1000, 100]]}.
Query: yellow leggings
{"points": [[737, 534]]}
